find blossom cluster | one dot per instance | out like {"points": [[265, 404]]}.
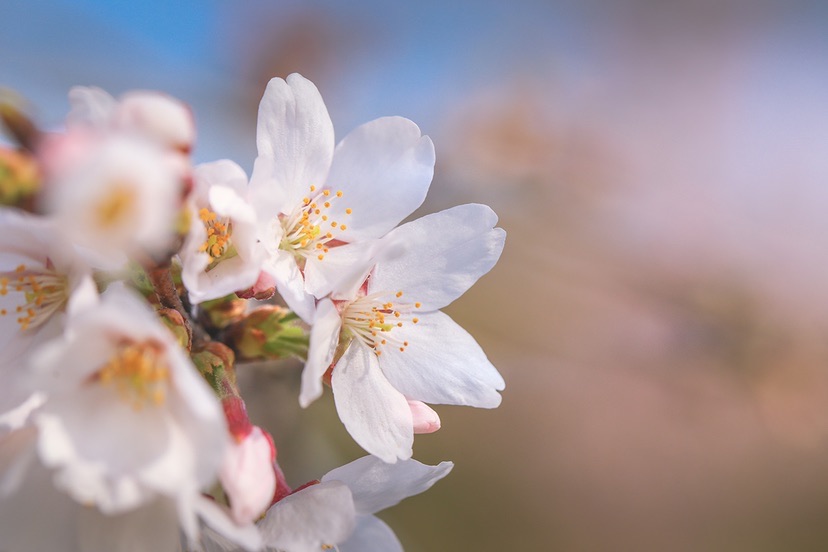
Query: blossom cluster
{"points": [[133, 286]]}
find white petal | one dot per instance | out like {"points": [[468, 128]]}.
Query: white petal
{"points": [[373, 411], [446, 253], [295, 131], [384, 168], [228, 535], [17, 451], [98, 457], [376, 485], [442, 364], [91, 106], [371, 535], [341, 267], [161, 118], [324, 337], [223, 172], [304, 521], [291, 285], [265, 192]]}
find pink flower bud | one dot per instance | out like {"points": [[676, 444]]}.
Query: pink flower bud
{"points": [[425, 419], [248, 476]]}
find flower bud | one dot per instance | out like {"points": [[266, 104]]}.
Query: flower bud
{"points": [[222, 312], [19, 179], [270, 332], [424, 418], [215, 362], [248, 475], [177, 325]]}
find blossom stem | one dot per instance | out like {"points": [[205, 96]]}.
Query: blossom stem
{"points": [[162, 283]]}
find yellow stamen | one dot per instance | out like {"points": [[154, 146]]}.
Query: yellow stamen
{"points": [[139, 372]]}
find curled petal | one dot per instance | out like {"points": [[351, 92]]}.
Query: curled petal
{"points": [[377, 485]]}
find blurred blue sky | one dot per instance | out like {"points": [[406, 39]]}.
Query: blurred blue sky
{"points": [[415, 60]]}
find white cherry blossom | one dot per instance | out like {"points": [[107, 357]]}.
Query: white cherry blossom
{"points": [[221, 253], [390, 344], [128, 419], [338, 512], [35, 515], [312, 198]]}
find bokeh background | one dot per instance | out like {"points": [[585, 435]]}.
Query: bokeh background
{"points": [[660, 311]]}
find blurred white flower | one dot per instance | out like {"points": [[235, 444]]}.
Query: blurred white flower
{"points": [[391, 344], [221, 253], [313, 199], [115, 195], [128, 419], [29, 498], [41, 278]]}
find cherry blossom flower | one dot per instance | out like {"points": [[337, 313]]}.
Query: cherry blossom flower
{"points": [[116, 195], [221, 254], [313, 198], [41, 278], [29, 498], [128, 419], [389, 343], [337, 513]]}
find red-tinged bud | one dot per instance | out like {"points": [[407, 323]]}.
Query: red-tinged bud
{"points": [[282, 488], [222, 312], [238, 423], [270, 332], [248, 475]]}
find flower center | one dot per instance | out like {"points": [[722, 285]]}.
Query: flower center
{"points": [[218, 244], [309, 230], [42, 292], [115, 205], [138, 372], [373, 321]]}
